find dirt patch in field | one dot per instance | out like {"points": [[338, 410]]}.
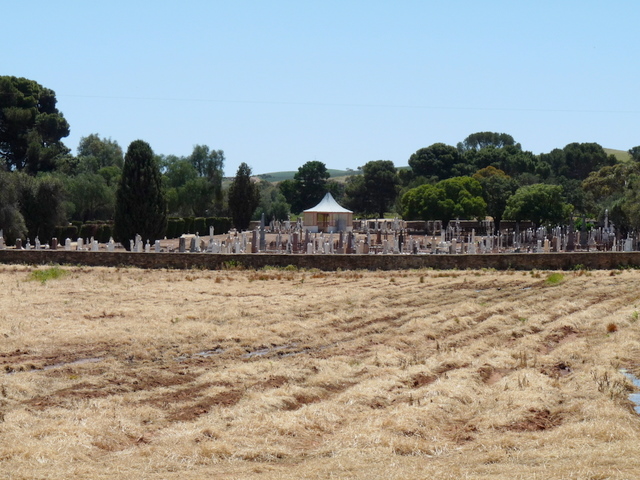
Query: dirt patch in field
{"points": [[537, 420], [491, 375], [190, 412]]}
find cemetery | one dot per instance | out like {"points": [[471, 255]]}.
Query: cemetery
{"points": [[369, 244]]}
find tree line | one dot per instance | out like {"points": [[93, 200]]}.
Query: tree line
{"points": [[42, 185]]}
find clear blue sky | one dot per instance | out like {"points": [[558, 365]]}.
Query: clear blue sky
{"points": [[278, 83]]}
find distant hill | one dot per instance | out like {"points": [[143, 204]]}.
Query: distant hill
{"points": [[621, 155], [275, 177]]}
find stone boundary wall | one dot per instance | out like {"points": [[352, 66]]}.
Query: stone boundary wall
{"points": [[209, 261]]}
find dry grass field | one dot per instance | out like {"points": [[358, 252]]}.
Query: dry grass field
{"points": [[277, 374]]}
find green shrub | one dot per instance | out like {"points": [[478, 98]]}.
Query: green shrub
{"points": [[47, 274], [221, 225], [89, 230], [66, 231], [188, 225], [105, 232], [554, 278], [171, 228], [180, 227], [200, 226]]}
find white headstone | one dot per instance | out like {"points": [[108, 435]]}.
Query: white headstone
{"points": [[95, 246], [157, 246], [80, 244], [110, 245], [147, 247], [67, 244]]}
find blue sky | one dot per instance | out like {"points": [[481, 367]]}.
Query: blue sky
{"points": [[278, 83]]}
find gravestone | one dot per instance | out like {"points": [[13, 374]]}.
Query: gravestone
{"points": [[79, 244], [182, 244], [67, 244], [18, 244], [157, 246], [254, 241], [263, 241], [147, 247], [38, 245], [54, 243], [95, 246], [111, 245]]}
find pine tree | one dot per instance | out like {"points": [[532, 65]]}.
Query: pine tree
{"points": [[244, 197], [141, 207]]}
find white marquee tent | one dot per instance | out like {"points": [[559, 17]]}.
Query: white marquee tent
{"points": [[328, 216]]}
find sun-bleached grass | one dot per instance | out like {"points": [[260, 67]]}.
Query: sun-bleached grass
{"points": [[274, 373]]}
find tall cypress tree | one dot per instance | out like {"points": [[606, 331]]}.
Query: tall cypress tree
{"points": [[141, 207], [244, 197]]}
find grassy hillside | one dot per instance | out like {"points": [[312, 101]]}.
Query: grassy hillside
{"points": [[621, 155], [280, 176]]}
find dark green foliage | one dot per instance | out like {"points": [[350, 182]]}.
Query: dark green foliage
{"points": [[244, 197], [66, 231], [95, 153], [30, 126], [91, 197], [188, 225], [539, 203], [375, 190], [89, 230], [41, 202], [576, 160], [171, 228], [635, 153], [308, 186], [272, 202], [457, 197], [221, 225], [200, 226], [105, 232], [141, 207], [497, 187], [11, 219], [480, 140], [180, 228], [194, 183], [435, 162]]}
